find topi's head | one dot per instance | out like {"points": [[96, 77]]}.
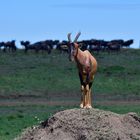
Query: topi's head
{"points": [[73, 46]]}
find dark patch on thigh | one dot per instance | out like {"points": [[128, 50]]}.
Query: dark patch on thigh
{"points": [[81, 80], [90, 84]]}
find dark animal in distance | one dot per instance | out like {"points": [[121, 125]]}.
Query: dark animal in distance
{"points": [[41, 45], [9, 46]]}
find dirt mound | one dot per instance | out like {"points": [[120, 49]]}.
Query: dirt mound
{"points": [[86, 124]]}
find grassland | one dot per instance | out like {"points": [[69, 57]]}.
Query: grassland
{"points": [[34, 86]]}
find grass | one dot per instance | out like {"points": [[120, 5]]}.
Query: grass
{"points": [[36, 73], [120, 109], [16, 118], [53, 78], [32, 73]]}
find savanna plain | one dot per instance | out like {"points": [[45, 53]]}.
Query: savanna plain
{"points": [[34, 86]]}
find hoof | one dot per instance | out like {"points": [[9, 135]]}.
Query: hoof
{"points": [[81, 106], [88, 106]]}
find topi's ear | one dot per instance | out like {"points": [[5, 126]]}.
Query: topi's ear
{"points": [[76, 45]]}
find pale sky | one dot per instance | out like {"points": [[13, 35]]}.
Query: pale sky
{"points": [[37, 20]]}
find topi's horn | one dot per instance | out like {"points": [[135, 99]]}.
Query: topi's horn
{"points": [[69, 37], [77, 36]]}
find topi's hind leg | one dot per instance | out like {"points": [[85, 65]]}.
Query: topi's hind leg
{"points": [[90, 85], [82, 104], [82, 97], [87, 92]]}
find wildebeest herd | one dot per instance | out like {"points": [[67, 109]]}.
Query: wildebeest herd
{"points": [[93, 45]]}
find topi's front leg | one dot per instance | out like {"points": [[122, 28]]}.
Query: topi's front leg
{"points": [[87, 97]]}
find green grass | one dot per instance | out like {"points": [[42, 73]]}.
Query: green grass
{"points": [[120, 109], [14, 119], [53, 78], [32, 73], [35, 74]]}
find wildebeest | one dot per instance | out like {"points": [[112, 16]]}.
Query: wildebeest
{"points": [[95, 45], [41, 45], [26, 45], [114, 45], [128, 43], [62, 46], [1, 45], [9, 46]]}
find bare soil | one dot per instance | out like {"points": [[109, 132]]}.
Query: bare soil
{"points": [[86, 124], [17, 100]]}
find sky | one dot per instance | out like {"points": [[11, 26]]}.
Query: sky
{"points": [[37, 20]]}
